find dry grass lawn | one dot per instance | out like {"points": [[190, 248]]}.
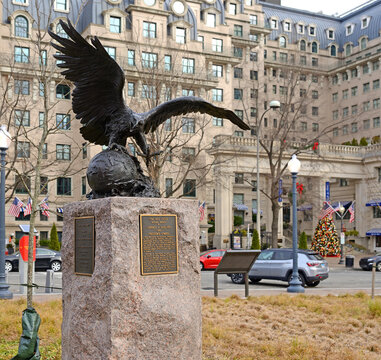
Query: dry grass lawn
{"points": [[273, 327]]}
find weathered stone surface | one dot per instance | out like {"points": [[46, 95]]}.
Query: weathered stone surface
{"points": [[117, 313]]}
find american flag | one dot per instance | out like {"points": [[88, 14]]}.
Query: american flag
{"points": [[201, 209], [44, 206], [28, 207], [327, 210], [15, 207], [351, 210]]}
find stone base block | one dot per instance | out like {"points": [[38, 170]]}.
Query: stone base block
{"points": [[117, 313]]}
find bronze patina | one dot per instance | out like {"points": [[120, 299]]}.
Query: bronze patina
{"points": [[84, 245]]}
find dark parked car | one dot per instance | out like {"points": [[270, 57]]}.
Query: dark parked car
{"points": [[366, 263], [276, 264], [45, 259]]}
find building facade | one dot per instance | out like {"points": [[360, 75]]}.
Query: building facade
{"points": [[241, 55]]}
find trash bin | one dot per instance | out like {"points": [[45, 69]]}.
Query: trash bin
{"points": [[349, 261]]}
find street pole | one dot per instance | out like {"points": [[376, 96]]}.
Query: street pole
{"points": [[295, 284], [274, 104], [341, 210], [4, 292]]}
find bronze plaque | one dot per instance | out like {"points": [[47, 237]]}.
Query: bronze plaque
{"points": [[158, 244], [84, 245]]}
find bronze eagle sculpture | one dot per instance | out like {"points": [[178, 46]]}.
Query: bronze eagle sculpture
{"points": [[98, 100]]}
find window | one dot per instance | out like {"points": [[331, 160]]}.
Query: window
{"points": [[63, 152], [188, 92], [21, 27], [188, 66], [253, 112], [365, 69], [217, 45], [238, 30], [115, 24], [345, 112], [314, 61], [189, 188], [302, 92], [348, 49], [376, 103], [168, 94], [167, 62], [23, 149], [303, 126], [148, 91], [283, 90], [287, 26], [218, 121], [201, 40], [274, 89], [217, 70], [22, 217], [131, 57], [217, 95], [315, 94], [379, 174], [344, 182], [376, 84], [334, 97], [188, 154], [111, 51], [274, 24], [168, 187], [303, 60], [63, 186], [22, 54], [335, 80], [61, 5], [349, 29], [366, 106], [21, 87], [333, 50], [366, 124], [283, 57], [363, 43], [345, 76], [300, 28], [282, 42], [312, 31], [238, 94], [168, 125], [43, 185], [149, 60], [354, 109], [253, 20], [149, 29], [238, 178], [376, 212], [63, 121], [239, 113], [353, 92], [22, 118], [335, 114], [364, 22], [83, 188], [354, 127], [314, 47], [302, 45], [188, 125], [45, 151], [43, 57], [365, 88], [61, 32], [315, 111], [345, 94], [22, 184], [275, 123], [237, 52], [238, 73], [331, 34], [253, 93], [375, 65], [253, 56], [238, 199], [376, 122], [232, 9], [180, 35], [41, 119], [84, 151], [131, 89], [345, 130], [63, 92], [335, 131], [211, 20]]}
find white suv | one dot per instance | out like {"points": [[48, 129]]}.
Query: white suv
{"points": [[276, 264]]}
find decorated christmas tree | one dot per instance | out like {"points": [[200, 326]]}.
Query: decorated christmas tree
{"points": [[325, 240]]}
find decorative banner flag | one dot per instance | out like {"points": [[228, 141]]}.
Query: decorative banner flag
{"points": [[327, 210], [44, 206], [28, 207], [15, 207], [201, 209], [60, 210], [352, 212]]}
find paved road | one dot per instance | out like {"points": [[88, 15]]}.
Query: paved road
{"points": [[339, 281]]}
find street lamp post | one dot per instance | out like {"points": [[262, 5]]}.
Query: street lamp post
{"points": [[5, 140], [295, 284], [341, 210], [274, 104]]}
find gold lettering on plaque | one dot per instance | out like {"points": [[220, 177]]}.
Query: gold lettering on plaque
{"points": [[158, 244]]}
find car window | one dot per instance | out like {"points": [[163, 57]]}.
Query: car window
{"points": [[203, 253], [282, 255], [266, 255], [315, 257], [41, 251], [217, 253]]}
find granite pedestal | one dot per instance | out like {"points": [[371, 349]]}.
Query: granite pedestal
{"points": [[117, 313]]}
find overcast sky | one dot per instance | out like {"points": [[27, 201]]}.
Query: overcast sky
{"points": [[329, 7]]}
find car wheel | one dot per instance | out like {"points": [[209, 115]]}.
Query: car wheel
{"points": [[301, 278], [254, 280], [8, 266], [238, 278], [55, 266], [201, 266], [313, 284], [378, 266]]}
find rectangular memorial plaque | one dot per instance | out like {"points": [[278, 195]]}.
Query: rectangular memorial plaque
{"points": [[84, 245], [158, 244]]}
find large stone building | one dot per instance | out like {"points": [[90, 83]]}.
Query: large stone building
{"points": [[240, 55]]}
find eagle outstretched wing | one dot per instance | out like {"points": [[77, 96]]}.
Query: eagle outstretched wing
{"points": [[98, 80], [183, 105]]}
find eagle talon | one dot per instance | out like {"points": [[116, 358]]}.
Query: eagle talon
{"points": [[118, 147], [148, 156]]}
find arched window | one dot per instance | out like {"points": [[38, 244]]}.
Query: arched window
{"points": [[282, 42], [348, 49], [61, 32], [314, 47], [302, 45], [333, 50], [363, 43], [21, 26]]}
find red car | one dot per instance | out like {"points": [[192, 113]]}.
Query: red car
{"points": [[211, 258]]}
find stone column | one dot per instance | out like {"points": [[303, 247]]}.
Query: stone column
{"points": [[361, 197], [317, 202], [223, 210], [117, 313]]}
